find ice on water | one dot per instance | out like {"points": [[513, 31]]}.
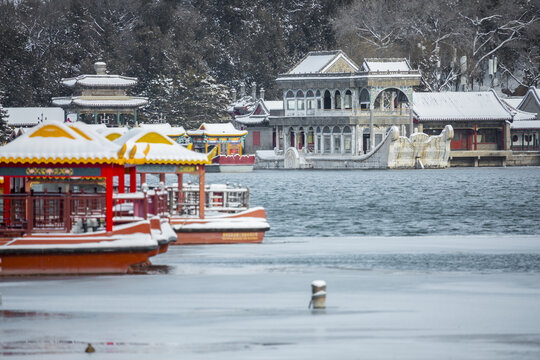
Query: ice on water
{"points": [[457, 290]]}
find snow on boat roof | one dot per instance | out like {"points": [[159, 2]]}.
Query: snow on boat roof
{"points": [[110, 133], [31, 116], [221, 129], [165, 128], [58, 143], [444, 106], [87, 80], [145, 146], [386, 64]]}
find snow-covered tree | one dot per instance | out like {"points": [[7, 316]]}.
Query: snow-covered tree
{"points": [[5, 130]]}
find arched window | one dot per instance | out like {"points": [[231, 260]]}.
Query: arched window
{"points": [[348, 100], [336, 133], [364, 99], [310, 100], [290, 100], [327, 100], [300, 100], [327, 147], [337, 100], [347, 140], [392, 99]]}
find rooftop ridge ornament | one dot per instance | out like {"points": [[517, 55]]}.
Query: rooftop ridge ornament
{"points": [[100, 67]]}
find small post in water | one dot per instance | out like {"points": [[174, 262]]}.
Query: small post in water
{"points": [[318, 294]]}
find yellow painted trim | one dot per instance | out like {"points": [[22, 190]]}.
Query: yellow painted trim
{"points": [[79, 131], [113, 136], [147, 150], [190, 146], [52, 131], [122, 151], [64, 160], [211, 154], [154, 138], [133, 152], [227, 135]]}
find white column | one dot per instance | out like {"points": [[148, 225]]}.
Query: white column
{"points": [[371, 131], [342, 144]]}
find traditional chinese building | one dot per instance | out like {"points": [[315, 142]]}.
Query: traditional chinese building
{"points": [[481, 122], [227, 139], [101, 98], [252, 114], [526, 133]]}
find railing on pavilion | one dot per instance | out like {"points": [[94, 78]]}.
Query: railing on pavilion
{"points": [[221, 198], [74, 212]]}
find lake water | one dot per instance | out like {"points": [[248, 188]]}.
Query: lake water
{"points": [[426, 264], [456, 201]]}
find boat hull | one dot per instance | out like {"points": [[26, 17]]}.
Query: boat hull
{"points": [[232, 164], [77, 254], [248, 226], [65, 263]]}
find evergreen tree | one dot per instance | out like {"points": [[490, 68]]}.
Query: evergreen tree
{"points": [[5, 130]]}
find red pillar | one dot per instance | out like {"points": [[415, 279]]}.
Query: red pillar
{"points": [[162, 177], [503, 134], [201, 192], [121, 179], [143, 178], [7, 191], [109, 197], [475, 138], [180, 197], [132, 179]]}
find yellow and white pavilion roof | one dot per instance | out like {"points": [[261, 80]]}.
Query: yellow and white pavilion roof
{"points": [[112, 133], [145, 146], [58, 143], [166, 129], [224, 129]]}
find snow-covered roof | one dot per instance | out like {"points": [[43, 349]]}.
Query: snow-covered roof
{"points": [[102, 81], [144, 146], [274, 104], [446, 106], [111, 133], [58, 143], [101, 101], [224, 129], [513, 102], [532, 92], [165, 128], [31, 116], [386, 64], [319, 61], [525, 124]]}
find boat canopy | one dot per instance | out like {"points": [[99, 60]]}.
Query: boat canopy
{"points": [[146, 146], [59, 143]]}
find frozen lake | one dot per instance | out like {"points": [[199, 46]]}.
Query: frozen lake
{"points": [[419, 265]]}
